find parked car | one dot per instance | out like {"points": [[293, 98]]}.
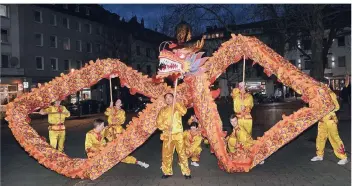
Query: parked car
{"points": [[86, 107]]}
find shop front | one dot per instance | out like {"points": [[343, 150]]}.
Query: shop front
{"points": [[10, 88]]}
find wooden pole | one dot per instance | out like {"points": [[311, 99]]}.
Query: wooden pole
{"points": [[110, 91], [173, 110], [244, 84], [244, 68]]}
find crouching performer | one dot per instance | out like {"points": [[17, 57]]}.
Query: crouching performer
{"points": [[239, 139], [95, 142], [193, 140]]}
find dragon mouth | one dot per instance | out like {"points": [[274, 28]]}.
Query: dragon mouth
{"points": [[168, 66]]}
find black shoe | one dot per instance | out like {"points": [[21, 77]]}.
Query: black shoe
{"points": [[188, 177], [165, 176]]}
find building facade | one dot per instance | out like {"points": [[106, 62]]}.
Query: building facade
{"points": [[255, 79], [339, 58], [12, 71], [39, 42]]}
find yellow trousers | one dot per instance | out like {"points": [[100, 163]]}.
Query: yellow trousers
{"points": [[239, 138], [328, 129], [246, 124], [206, 141], [57, 139], [168, 155], [129, 160], [194, 154]]}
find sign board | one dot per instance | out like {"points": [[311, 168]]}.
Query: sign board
{"points": [[25, 84]]}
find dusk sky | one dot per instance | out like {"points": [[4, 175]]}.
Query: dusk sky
{"points": [[152, 12], [147, 11]]}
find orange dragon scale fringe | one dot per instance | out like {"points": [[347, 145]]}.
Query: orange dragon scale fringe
{"points": [[195, 89]]}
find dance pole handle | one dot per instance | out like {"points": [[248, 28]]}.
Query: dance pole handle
{"points": [[244, 68], [110, 90], [173, 109]]}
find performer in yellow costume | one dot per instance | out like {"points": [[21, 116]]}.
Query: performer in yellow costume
{"points": [[95, 138], [56, 118], [175, 129], [116, 117], [242, 105], [193, 118], [327, 129], [193, 140], [239, 138]]}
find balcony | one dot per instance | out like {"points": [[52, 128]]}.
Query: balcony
{"points": [[12, 72]]}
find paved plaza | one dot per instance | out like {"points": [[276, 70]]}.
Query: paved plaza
{"points": [[289, 166]]}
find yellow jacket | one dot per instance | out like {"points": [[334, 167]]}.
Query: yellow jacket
{"points": [[57, 118], [164, 119], [192, 141], [94, 142], [332, 116], [115, 116], [238, 102]]}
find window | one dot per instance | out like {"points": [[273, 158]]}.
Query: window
{"points": [[38, 16], [67, 44], [149, 70], [89, 47], [54, 64], [77, 8], [38, 39], [341, 41], [66, 22], [79, 46], [308, 65], [4, 11], [98, 48], [307, 44], [88, 28], [293, 62], [148, 52], [78, 64], [65, 6], [138, 48], [87, 11], [4, 36], [5, 61], [342, 61], [99, 30], [67, 65], [39, 62], [78, 26], [53, 41], [53, 20]]}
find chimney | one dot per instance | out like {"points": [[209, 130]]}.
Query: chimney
{"points": [[142, 22]]}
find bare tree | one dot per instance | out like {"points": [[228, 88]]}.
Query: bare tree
{"points": [[198, 16], [294, 22]]}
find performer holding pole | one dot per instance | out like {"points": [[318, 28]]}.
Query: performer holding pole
{"points": [[116, 118], [56, 117], [169, 121], [243, 104]]}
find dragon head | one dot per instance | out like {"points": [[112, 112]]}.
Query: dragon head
{"points": [[179, 60]]}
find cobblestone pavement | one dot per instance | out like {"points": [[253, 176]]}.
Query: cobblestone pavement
{"points": [[289, 166]]}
